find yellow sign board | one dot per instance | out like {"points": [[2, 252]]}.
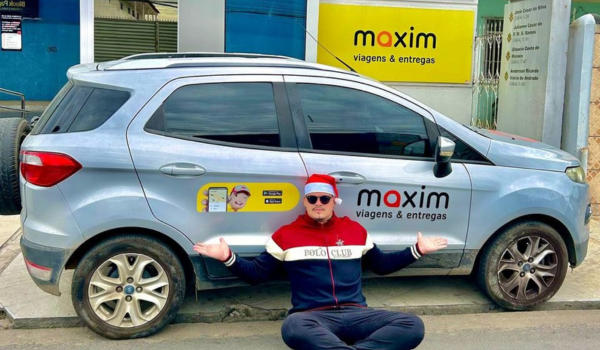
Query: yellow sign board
{"points": [[397, 44]]}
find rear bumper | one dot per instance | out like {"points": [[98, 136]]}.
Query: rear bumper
{"points": [[47, 259]]}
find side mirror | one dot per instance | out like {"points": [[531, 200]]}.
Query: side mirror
{"points": [[444, 150]]}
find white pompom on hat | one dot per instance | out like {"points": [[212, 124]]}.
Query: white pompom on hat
{"points": [[322, 183]]}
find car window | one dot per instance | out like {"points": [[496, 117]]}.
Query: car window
{"points": [[62, 117], [229, 112], [83, 108], [461, 150], [100, 106], [49, 111], [348, 120]]}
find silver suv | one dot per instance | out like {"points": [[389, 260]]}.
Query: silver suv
{"points": [[135, 160]]}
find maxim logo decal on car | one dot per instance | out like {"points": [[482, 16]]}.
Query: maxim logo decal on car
{"points": [[393, 199]]}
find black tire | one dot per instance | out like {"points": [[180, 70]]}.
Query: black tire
{"points": [[130, 247], [12, 133], [508, 276]]}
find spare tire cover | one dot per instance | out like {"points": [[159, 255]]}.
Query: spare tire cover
{"points": [[12, 133]]}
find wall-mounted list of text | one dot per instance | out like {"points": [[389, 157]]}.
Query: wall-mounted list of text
{"points": [[526, 41]]}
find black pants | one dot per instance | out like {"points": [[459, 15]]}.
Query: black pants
{"points": [[352, 328]]}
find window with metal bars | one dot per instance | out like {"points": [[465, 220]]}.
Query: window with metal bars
{"points": [[493, 48]]}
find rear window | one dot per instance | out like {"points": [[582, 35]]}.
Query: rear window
{"points": [[80, 108]]}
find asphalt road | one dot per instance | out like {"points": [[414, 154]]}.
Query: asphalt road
{"points": [[525, 331]]}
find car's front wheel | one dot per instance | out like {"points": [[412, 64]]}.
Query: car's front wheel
{"points": [[128, 286], [524, 266]]}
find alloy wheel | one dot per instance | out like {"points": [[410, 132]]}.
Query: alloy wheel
{"points": [[527, 268], [128, 290]]}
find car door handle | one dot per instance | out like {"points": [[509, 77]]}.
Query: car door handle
{"points": [[182, 169], [346, 177]]}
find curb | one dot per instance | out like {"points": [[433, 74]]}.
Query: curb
{"points": [[245, 313], [4, 316]]}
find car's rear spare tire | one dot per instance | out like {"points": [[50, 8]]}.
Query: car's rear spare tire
{"points": [[12, 133]]}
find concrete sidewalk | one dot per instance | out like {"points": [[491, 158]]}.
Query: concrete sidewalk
{"points": [[28, 307], [9, 237], [8, 226]]}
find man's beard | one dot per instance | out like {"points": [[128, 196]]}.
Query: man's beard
{"points": [[323, 219]]}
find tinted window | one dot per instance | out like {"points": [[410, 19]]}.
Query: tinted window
{"points": [[100, 106], [229, 112], [49, 111], [68, 108], [348, 120], [82, 109], [461, 150]]}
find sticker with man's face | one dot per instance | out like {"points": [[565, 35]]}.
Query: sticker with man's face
{"points": [[247, 197]]}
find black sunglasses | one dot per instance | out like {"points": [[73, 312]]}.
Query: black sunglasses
{"points": [[323, 199]]}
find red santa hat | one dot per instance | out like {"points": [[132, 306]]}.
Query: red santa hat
{"points": [[322, 183]]}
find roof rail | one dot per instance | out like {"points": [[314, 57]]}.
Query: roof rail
{"points": [[157, 55], [257, 64], [216, 61]]}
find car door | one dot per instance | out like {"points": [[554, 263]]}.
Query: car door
{"points": [[217, 157], [379, 146]]}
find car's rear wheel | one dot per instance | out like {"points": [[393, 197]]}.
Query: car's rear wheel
{"points": [[128, 286], [524, 266], [12, 133]]}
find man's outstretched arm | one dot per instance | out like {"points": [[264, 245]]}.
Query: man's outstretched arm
{"points": [[384, 263], [261, 269]]}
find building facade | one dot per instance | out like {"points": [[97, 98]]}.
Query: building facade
{"points": [[360, 32], [132, 10], [49, 45]]}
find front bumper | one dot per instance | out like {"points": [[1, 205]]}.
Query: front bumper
{"points": [[48, 259], [580, 251], [581, 248]]}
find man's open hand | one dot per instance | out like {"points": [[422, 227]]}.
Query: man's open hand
{"points": [[219, 251], [430, 244]]}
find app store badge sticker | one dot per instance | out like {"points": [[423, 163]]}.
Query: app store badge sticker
{"points": [[247, 197]]}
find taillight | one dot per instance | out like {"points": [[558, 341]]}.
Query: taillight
{"points": [[47, 169]]}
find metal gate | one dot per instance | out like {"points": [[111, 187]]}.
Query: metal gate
{"points": [[486, 75], [117, 38]]}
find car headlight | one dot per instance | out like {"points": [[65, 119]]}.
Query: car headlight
{"points": [[576, 174]]}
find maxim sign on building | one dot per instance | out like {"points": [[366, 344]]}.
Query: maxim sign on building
{"points": [[398, 44]]}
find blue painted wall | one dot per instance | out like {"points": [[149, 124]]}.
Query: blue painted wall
{"points": [[50, 47], [266, 26]]}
